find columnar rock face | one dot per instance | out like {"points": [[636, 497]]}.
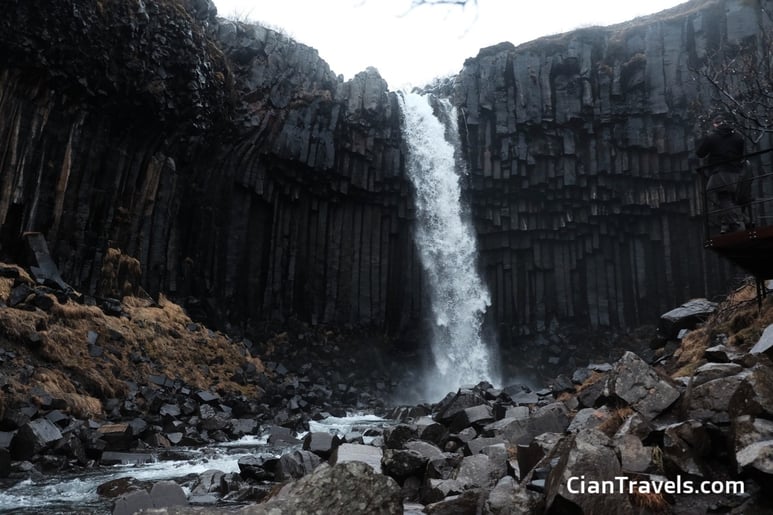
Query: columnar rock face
{"points": [[240, 171], [582, 183], [250, 180]]}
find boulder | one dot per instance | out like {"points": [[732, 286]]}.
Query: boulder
{"points": [[209, 481], [466, 502], [296, 464], [711, 400], [426, 449], [395, 437], [752, 442], [320, 443], [453, 404], [510, 498], [634, 455], [435, 490], [475, 415], [588, 455], [443, 467], [754, 396], [765, 343], [402, 463], [167, 493], [133, 502], [686, 316], [686, 446], [638, 384], [34, 437], [589, 418], [259, 467], [552, 418], [478, 471], [351, 487], [710, 371], [350, 452]]}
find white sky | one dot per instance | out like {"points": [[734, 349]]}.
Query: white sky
{"points": [[410, 47]]}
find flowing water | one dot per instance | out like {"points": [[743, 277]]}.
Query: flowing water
{"points": [[447, 248], [77, 493]]}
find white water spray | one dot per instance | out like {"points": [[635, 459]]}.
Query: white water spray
{"points": [[447, 249]]}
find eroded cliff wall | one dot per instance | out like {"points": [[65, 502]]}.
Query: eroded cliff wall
{"points": [[583, 183], [243, 174], [253, 183]]}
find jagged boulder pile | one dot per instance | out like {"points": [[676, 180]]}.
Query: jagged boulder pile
{"points": [[624, 437]]}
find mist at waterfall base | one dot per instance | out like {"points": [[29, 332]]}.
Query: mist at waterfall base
{"points": [[447, 249]]}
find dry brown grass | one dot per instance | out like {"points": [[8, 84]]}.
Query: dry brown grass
{"points": [[738, 317], [161, 334], [651, 502], [616, 419]]}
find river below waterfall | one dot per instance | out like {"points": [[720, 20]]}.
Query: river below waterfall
{"points": [[77, 493]]}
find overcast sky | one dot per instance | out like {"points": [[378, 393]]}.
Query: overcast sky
{"points": [[412, 46]]}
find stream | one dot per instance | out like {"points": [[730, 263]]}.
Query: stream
{"points": [[77, 493]]}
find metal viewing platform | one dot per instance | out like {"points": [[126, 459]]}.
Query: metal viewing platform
{"points": [[749, 244]]}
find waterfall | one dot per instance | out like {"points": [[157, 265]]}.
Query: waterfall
{"points": [[446, 246]]}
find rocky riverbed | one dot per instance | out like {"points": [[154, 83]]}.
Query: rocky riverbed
{"points": [[90, 383]]}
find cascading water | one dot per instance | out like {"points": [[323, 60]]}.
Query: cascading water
{"points": [[447, 249]]}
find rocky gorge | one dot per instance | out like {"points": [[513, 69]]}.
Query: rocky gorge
{"points": [[234, 230]]}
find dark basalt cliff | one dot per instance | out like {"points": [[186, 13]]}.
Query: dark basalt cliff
{"points": [[243, 174], [583, 181], [253, 184]]}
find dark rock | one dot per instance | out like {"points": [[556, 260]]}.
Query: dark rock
{"points": [[476, 415], [321, 444], [588, 455], [711, 400], [753, 443], [426, 449], [242, 426], [207, 397], [281, 435], [117, 437], [133, 502], [443, 467], [167, 493], [296, 464], [209, 481], [259, 467], [685, 448], [435, 490], [431, 431], [466, 502], [634, 455], [352, 485], [476, 445], [754, 395], [396, 436], [348, 452], [34, 437], [589, 418], [402, 463], [120, 486], [710, 371], [552, 418], [5, 463], [510, 498], [686, 316], [452, 404], [635, 382], [19, 294], [477, 471]]}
